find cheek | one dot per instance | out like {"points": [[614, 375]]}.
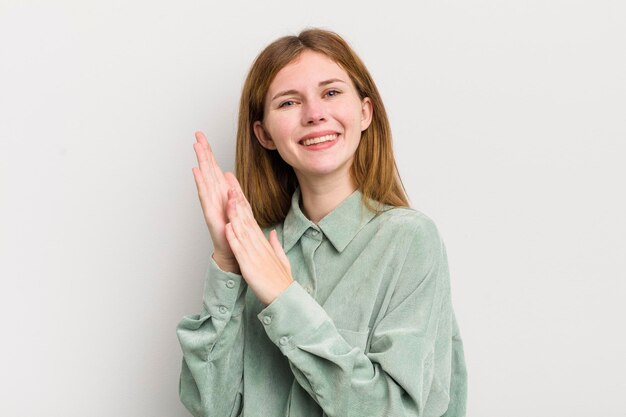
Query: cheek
{"points": [[352, 115], [353, 121], [281, 128]]}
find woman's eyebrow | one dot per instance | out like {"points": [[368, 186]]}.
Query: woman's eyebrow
{"points": [[321, 83]]}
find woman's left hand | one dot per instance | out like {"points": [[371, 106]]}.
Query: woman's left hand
{"points": [[264, 264]]}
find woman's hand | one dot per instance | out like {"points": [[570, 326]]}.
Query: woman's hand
{"points": [[263, 263], [213, 194]]}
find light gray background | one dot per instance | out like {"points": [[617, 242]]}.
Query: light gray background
{"points": [[509, 131]]}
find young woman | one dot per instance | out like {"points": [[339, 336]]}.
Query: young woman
{"points": [[325, 295]]}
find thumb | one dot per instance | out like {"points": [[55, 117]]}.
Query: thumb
{"points": [[278, 250]]}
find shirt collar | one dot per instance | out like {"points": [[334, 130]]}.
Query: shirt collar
{"points": [[340, 226]]}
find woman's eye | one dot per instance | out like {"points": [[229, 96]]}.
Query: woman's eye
{"points": [[334, 93], [286, 103]]}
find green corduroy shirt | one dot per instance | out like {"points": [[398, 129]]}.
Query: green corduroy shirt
{"points": [[366, 329]]}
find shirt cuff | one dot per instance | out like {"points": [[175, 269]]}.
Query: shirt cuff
{"points": [[291, 317], [224, 292]]}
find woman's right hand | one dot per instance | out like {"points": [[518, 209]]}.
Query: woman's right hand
{"points": [[213, 194]]}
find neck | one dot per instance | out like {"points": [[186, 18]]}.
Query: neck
{"points": [[321, 197]]}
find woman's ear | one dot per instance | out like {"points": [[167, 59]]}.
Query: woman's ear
{"points": [[367, 112], [262, 136]]}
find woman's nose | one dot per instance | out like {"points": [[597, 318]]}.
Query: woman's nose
{"points": [[314, 112]]}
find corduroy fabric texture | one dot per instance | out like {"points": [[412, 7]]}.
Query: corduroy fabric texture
{"points": [[366, 329]]}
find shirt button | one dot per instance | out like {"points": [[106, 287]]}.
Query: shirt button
{"points": [[308, 289], [267, 320], [223, 310], [283, 340], [314, 232], [230, 283]]}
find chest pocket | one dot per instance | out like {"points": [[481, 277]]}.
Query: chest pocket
{"points": [[355, 339]]}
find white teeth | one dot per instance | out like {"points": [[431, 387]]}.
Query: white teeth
{"points": [[313, 141]]}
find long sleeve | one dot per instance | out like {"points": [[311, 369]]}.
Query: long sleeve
{"points": [[402, 366], [211, 379]]}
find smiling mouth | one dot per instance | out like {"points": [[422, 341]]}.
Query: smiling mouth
{"points": [[321, 139]]}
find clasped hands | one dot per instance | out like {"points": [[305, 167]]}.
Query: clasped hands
{"points": [[239, 243]]}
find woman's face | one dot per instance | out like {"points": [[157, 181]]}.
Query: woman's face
{"points": [[314, 118]]}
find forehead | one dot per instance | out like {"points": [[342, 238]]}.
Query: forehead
{"points": [[307, 69]]}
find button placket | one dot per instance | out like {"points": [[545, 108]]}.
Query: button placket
{"points": [[309, 247]]}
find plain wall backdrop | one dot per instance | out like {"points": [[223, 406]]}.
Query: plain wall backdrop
{"points": [[509, 131]]}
